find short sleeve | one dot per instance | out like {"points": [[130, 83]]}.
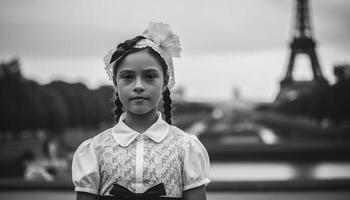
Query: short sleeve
{"points": [[196, 165], [85, 171]]}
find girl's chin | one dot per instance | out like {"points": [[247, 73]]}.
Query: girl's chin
{"points": [[141, 111]]}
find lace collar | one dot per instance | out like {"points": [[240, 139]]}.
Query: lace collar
{"points": [[124, 135]]}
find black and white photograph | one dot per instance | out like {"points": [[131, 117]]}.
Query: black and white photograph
{"points": [[175, 99]]}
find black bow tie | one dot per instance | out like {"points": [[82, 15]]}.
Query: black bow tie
{"points": [[123, 193]]}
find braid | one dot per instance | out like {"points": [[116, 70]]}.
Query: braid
{"points": [[122, 48], [118, 107], [167, 105]]}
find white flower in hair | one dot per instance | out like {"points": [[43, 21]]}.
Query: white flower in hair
{"points": [[162, 35]]}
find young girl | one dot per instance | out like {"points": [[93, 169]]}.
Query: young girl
{"points": [[142, 156]]}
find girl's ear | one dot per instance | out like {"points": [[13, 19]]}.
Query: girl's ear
{"points": [[164, 88]]}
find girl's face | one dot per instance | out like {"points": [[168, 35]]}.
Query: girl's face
{"points": [[140, 82]]}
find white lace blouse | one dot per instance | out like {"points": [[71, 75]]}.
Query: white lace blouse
{"points": [[162, 154]]}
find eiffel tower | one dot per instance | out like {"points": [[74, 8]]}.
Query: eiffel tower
{"points": [[302, 43]]}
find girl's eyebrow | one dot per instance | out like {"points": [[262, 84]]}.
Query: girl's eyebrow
{"points": [[152, 70], [126, 71]]}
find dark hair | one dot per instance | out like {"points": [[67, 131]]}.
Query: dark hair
{"points": [[126, 48]]}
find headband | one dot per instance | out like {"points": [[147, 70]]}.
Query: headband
{"points": [[162, 40]]}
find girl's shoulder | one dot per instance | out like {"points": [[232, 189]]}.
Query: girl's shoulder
{"points": [[102, 136], [185, 138], [178, 133], [98, 140], [196, 161]]}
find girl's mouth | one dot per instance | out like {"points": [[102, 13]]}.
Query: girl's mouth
{"points": [[139, 98]]}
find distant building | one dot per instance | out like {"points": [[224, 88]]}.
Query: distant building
{"points": [[342, 72]]}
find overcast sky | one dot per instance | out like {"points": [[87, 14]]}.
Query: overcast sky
{"points": [[226, 43]]}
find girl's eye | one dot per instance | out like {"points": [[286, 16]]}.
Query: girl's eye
{"points": [[151, 76], [126, 76]]}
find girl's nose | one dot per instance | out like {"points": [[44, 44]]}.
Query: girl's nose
{"points": [[139, 85]]}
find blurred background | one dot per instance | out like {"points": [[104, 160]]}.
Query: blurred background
{"points": [[264, 84]]}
